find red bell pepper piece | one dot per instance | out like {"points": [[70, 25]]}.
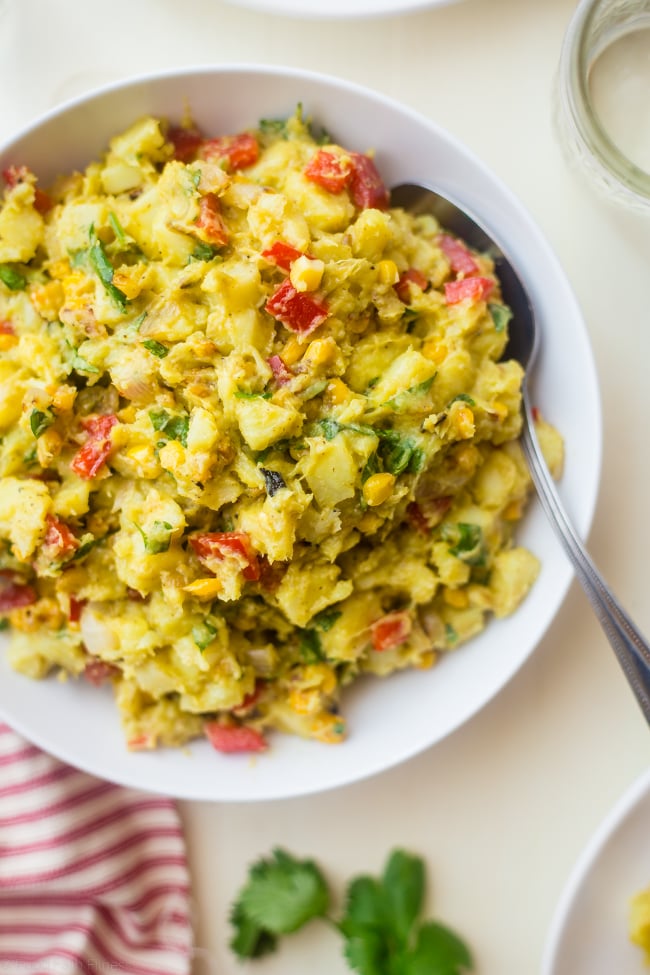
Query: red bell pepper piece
{"points": [[6, 328], [331, 172], [406, 279], [475, 289], [18, 174], [185, 141], [14, 594], [89, 459], [59, 539], [234, 738], [459, 256], [281, 254], [211, 547], [97, 672], [366, 185], [390, 631], [298, 310], [281, 374], [210, 225], [239, 151], [76, 606]]}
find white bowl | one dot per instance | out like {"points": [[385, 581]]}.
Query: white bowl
{"points": [[589, 930], [391, 719]]}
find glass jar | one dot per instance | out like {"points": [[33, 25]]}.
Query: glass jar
{"points": [[607, 41]]}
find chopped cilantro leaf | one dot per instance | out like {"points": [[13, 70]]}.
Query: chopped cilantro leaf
{"points": [[40, 421], [501, 315], [156, 348], [175, 427], [158, 538], [104, 270], [12, 278]]}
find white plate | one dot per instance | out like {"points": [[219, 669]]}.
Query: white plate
{"points": [[340, 8], [391, 719], [588, 934]]}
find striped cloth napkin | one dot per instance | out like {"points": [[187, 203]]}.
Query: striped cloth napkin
{"points": [[93, 876]]}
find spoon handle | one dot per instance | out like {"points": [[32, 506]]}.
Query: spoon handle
{"points": [[630, 647]]}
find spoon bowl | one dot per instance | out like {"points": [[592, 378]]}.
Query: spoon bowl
{"points": [[629, 645]]}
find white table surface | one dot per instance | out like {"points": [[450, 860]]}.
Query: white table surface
{"points": [[501, 809]]}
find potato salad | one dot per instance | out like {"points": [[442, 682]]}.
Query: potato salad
{"points": [[257, 435]]}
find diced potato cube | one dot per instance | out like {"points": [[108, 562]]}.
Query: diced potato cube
{"points": [[24, 507], [262, 423]]}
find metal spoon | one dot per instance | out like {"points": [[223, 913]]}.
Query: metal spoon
{"points": [[630, 647]]}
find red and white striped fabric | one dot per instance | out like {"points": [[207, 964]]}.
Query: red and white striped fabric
{"points": [[93, 876]]}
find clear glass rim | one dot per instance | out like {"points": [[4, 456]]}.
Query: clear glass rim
{"points": [[578, 60]]}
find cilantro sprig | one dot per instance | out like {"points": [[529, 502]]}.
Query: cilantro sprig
{"points": [[381, 926]]}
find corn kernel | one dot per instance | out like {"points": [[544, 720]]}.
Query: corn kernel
{"points": [[378, 488], [172, 456], [337, 392], [464, 422], [321, 352], [388, 273], [128, 285], [498, 410], [128, 414], [456, 598], [48, 446], [59, 269], [306, 273], [434, 350], [203, 588], [48, 299], [292, 351], [304, 701], [7, 341], [513, 511], [427, 660], [328, 728], [63, 398]]}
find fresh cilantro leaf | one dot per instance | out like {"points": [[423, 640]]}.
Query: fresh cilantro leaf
{"points": [[79, 364], [501, 315], [12, 278], [365, 906], [158, 538], [175, 427], [203, 251], [156, 348], [273, 126], [246, 394], [451, 636], [381, 926], [438, 951], [104, 270], [326, 619], [409, 397], [203, 634], [329, 427], [250, 939], [310, 646], [283, 893], [39, 422], [463, 398], [465, 541], [117, 228], [403, 884], [366, 953]]}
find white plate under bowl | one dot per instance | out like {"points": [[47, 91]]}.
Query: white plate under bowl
{"points": [[340, 8], [589, 931], [394, 718]]}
